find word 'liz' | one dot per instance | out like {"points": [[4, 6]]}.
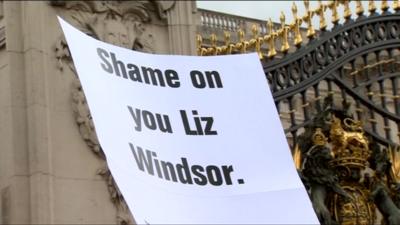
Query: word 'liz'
{"points": [[193, 125], [203, 124]]}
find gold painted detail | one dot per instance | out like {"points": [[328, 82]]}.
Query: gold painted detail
{"points": [[347, 12], [358, 210], [395, 160], [307, 104], [271, 39], [297, 157], [308, 20], [333, 5], [396, 5], [283, 34], [295, 26], [370, 66], [320, 11], [350, 145], [371, 6], [359, 8], [384, 5]]}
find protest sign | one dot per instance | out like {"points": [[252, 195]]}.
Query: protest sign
{"points": [[191, 140]]}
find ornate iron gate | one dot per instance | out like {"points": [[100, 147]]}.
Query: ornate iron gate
{"points": [[348, 162], [357, 62]]}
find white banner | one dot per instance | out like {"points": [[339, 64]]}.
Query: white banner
{"points": [[190, 140]]}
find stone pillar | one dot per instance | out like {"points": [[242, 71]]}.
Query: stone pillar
{"points": [[52, 169], [182, 28], [14, 156], [47, 174]]}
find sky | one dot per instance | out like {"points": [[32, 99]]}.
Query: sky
{"points": [[264, 10], [255, 9]]}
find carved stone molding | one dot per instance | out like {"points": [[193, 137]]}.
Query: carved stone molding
{"points": [[2, 37], [88, 133], [2, 26], [119, 23], [122, 23]]}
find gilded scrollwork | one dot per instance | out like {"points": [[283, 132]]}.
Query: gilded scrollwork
{"points": [[122, 23]]}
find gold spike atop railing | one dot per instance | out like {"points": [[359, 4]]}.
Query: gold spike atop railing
{"points": [[308, 19], [296, 26], [242, 44], [321, 13], [371, 6], [256, 41], [384, 5], [396, 5], [335, 15], [346, 12], [228, 46], [283, 34], [199, 42], [254, 30], [359, 8], [241, 35], [213, 40], [227, 37], [270, 38]]}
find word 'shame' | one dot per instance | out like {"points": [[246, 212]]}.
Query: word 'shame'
{"points": [[155, 77]]}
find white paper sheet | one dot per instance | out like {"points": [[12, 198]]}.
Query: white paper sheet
{"points": [[230, 165]]}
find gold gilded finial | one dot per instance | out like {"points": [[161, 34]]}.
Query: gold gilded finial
{"points": [[294, 9], [242, 44], [214, 49], [284, 34], [199, 42], [228, 45], [282, 18], [254, 30], [271, 39], [213, 40], [346, 12], [384, 6], [307, 4], [227, 38], [296, 26], [256, 40], [335, 16], [371, 6], [241, 35], [359, 8], [308, 19], [321, 13], [396, 5]]}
